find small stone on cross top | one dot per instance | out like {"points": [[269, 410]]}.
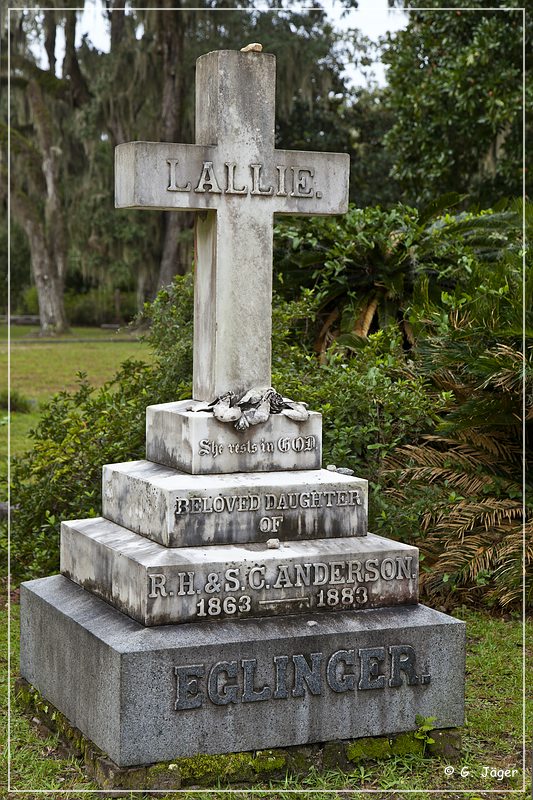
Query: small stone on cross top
{"points": [[236, 180]]}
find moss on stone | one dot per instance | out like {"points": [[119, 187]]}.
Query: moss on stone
{"points": [[371, 749], [265, 762], [382, 747], [299, 760], [406, 743], [159, 776], [208, 770], [109, 776]]}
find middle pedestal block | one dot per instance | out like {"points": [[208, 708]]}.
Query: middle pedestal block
{"points": [[179, 509]]}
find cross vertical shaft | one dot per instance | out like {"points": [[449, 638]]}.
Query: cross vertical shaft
{"points": [[235, 111]]}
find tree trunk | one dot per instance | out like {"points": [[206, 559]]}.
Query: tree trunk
{"points": [[49, 247], [49, 293], [78, 85], [117, 18], [50, 39], [115, 122], [142, 291], [48, 282], [177, 251]]}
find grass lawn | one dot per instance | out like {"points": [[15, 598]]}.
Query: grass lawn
{"points": [[41, 366], [491, 737]]}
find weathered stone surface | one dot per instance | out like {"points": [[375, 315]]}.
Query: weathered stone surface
{"points": [[238, 180], [157, 585], [151, 694], [196, 442], [179, 510]]}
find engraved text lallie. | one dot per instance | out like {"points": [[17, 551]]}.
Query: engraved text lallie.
{"points": [[286, 182]]}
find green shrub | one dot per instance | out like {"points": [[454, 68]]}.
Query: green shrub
{"points": [[60, 477], [369, 401], [369, 404]]}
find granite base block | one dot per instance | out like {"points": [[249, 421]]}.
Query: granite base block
{"points": [[152, 694], [196, 442], [158, 585], [180, 510]]}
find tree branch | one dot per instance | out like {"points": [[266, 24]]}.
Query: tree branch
{"points": [[80, 90]]}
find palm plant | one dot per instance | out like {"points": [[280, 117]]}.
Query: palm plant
{"points": [[366, 266], [475, 531]]}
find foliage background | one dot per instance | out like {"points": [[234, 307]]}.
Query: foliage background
{"points": [[449, 119], [455, 84], [427, 407]]}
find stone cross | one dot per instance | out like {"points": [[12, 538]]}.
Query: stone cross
{"points": [[236, 180]]}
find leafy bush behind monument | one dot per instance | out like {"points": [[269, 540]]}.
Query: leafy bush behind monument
{"points": [[427, 406]]}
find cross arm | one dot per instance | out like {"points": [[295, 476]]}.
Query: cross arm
{"points": [[189, 177], [314, 183], [162, 175]]}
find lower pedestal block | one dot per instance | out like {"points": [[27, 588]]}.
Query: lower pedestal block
{"points": [[151, 694], [159, 585]]}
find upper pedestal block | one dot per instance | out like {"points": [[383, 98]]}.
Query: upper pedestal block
{"points": [[197, 443]]}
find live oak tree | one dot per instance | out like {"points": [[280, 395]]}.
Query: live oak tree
{"points": [[41, 151], [66, 119]]}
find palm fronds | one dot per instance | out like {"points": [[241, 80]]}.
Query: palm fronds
{"points": [[473, 522], [473, 532]]}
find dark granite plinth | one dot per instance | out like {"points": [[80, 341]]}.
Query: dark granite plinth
{"points": [[152, 694]]}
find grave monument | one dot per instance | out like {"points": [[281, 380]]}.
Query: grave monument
{"points": [[230, 598]]}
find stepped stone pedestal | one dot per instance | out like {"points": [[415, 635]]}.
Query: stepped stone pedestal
{"points": [[230, 597], [178, 627]]}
